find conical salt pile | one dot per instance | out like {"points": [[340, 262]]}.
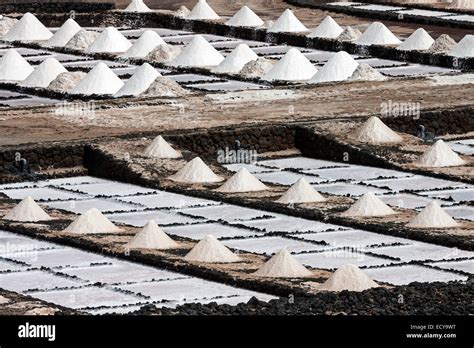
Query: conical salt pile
{"points": [[368, 205], [164, 53], [328, 29], [195, 172], [433, 216], [257, 68], [301, 192], [110, 41], [365, 72], [82, 40], [348, 277], [349, 34], [374, 131], [245, 17], [159, 148], [27, 211], [419, 40], [44, 74], [443, 44], [64, 34], [13, 67], [209, 249], [66, 81], [202, 10], [339, 68], [28, 28], [182, 12], [463, 4], [151, 237], [294, 66], [440, 155], [378, 34], [100, 80], [139, 82], [283, 265], [92, 221], [165, 87], [235, 61], [242, 181], [287, 23], [137, 6], [146, 43], [198, 53], [465, 47]]}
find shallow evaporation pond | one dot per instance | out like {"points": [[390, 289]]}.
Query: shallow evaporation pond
{"points": [[359, 173], [199, 231], [456, 195], [381, 63], [226, 212], [463, 18], [300, 163], [43, 193], [167, 200], [415, 183], [105, 205], [271, 245], [380, 8], [187, 78], [54, 282], [289, 178], [162, 218], [109, 189], [343, 189], [30, 101], [461, 212], [288, 224], [425, 13], [461, 148], [408, 201], [226, 86], [415, 70]]}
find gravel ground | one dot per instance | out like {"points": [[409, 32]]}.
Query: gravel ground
{"points": [[415, 299]]}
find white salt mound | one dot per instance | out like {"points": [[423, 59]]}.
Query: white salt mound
{"points": [[66, 81], [419, 40], [164, 53], [433, 216], [146, 43], [349, 34], [368, 205], [348, 277], [440, 155], [195, 172], [165, 87], [287, 23], [235, 61], [110, 41], [64, 34], [465, 47], [443, 44], [257, 68], [328, 29], [82, 40], [301, 192], [209, 249], [151, 237], [44, 74], [365, 72], [339, 68], [374, 131], [137, 6], [92, 221], [159, 148], [283, 265], [294, 66], [202, 10], [139, 82], [378, 34], [245, 17], [198, 53], [182, 12], [28, 28], [13, 67], [27, 211], [6, 24], [242, 181], [100, 80]]}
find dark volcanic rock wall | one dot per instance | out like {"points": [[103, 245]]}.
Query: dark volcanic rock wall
{"points": [[54, 6]]}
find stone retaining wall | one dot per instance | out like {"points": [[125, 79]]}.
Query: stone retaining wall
{"points": [[54, 6]]}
